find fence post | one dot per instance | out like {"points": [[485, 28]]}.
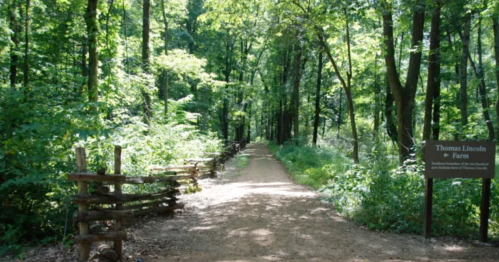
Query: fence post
{"points": [[81, 165], [213, 164], [118, 244]]}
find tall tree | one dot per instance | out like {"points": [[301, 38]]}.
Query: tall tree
{"points": [[283, 131], [377, 96], [146, 56], [464, 69], [481, 77], [84, 68], [92, 34], [194, 9], [164, 74], [229, 45], [404, 95], [317, 98], [391, 127], [26, 46], [433, 84], [347, 85], [245, 48], [495, 25], [15, 27], [297, 64]]}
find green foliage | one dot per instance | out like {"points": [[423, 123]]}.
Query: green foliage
{"points": [[38, 140], [306, 164], [191, 189], [383, 196], [211, 55], [186, 69]]}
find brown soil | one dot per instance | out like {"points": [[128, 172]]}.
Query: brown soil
{"points": [[263, 216]]}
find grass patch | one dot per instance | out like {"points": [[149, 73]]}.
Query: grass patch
{"points": [[241, 162], [234, 167]]}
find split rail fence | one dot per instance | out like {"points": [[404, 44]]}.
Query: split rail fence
{"points": [[100, 197]]}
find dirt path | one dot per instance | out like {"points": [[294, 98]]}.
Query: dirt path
{"points": [[263, 216]]}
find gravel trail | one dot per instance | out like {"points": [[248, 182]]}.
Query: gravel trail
{"points": [[261, 215]]}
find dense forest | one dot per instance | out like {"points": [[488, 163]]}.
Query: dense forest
{"points": [[345, 93]]}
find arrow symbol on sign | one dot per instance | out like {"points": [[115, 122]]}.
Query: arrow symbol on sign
{"points": [[446, 155]]}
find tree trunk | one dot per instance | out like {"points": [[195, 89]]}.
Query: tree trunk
{"points": [[318, 98], [351, 113], [280, 118], [377, 94], [436, 111], [225, 113], [248, 135], [245, 49], [225, 110], [307, 115], [271, 122], [84, 68], [165, 88], [495, 24], [464, 70], [191, 23], [401, 49], [167, 30], [14, 58], [433, 84], [324, 127], [282, 124], [457, 97], [347, 85], [295, 102], [146, 55], [127, 61], [165, 81], [348, 92], [261, 127], [108, 16], [482, 87], [391, 128], [288, 121], [26, 47], [93, 32], [404, 95], [339, 118], [146, 27], [482, 91]]}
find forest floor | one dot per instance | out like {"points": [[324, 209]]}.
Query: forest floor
{"points": [[259, 214]]}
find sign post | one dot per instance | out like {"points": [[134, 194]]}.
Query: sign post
{"points": [[485, 210], [459, 159], [428, 207]]}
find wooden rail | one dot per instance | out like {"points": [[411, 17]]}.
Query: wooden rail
{"points": [[100, 204]]}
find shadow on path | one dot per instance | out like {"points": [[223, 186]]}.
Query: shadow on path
{"points": [[263, 216]]}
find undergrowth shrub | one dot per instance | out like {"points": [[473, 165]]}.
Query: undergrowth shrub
{"points": [[383, 196], [37, 141]]}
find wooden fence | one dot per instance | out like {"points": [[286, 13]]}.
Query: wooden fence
{"points": [[96, 202]]}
